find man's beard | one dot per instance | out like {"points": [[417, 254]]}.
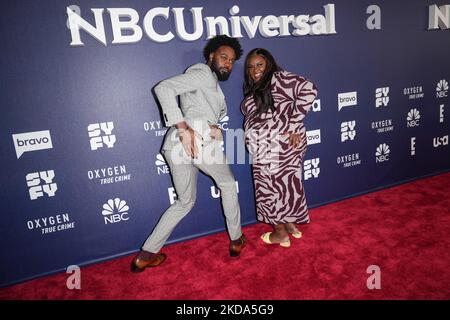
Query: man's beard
{"points": [[221, 75]]}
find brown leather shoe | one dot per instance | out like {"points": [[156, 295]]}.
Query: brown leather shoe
{"points": [[146, 259], [236, 246]]}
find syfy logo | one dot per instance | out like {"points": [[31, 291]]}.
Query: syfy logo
{"points": [[348, 131], [32, 141], [311, 169], [381, 97], [382, 153], [36, 189], [412, 119], [413, 146], [441, 113], [316, 106], [97, 139], [312, 137], [156, 127], [125, 28], [161, 165], [442, 89], [347, 99], [60, 222], [115, 211], [438, 17], [440, 141]]}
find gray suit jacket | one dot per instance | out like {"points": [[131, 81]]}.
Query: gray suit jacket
{"points": [[202, 101]]}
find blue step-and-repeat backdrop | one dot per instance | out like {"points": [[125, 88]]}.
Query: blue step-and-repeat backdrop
{"points": [[82, 176]]}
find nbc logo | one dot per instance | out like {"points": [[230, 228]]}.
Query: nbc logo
{"points": [[36, 189], [161, 165], [382, 153], [442, 89], [223, 124], [413, 117], [115, 211], [97, 138], [348, 131], [311, 168], [381, 97]]}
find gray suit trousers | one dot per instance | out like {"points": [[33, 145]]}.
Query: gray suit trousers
{"points": [[212, 161]]}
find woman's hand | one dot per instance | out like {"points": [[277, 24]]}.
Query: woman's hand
{"points": [[295, 139]]}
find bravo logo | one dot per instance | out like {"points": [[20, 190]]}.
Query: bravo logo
{"points": [[313, 136], [347, 99], [32, 141], [115, 211]]}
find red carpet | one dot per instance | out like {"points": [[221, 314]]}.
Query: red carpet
{"points": [[404, 230]]}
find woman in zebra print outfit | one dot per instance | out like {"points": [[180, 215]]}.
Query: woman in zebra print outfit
{"points": [[275, 104]]}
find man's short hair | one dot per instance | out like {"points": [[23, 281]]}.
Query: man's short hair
{"points": [[222, 40]]}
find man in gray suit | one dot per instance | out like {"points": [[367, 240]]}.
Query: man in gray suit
{"points": [[193, 143]]}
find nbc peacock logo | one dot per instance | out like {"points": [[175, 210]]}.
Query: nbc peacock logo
{"points": [[161, 165], [115, 211], [442, 89], [382, 153], [413, 117]]}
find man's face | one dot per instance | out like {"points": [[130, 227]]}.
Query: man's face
{"points": [[221, 62]]}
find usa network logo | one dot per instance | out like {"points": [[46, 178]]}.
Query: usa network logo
{"points": [[442, 89], [32, 141]]}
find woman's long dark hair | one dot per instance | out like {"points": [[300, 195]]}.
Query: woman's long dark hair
{"points": [[261, 89]]}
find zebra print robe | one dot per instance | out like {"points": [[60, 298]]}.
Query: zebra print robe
{"points": [[279, 192]]}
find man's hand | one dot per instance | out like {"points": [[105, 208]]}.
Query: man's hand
{"points": [[187, 138], [216, 132]]}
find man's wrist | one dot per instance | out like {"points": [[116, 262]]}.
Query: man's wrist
{"points": [[181, 126]]}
